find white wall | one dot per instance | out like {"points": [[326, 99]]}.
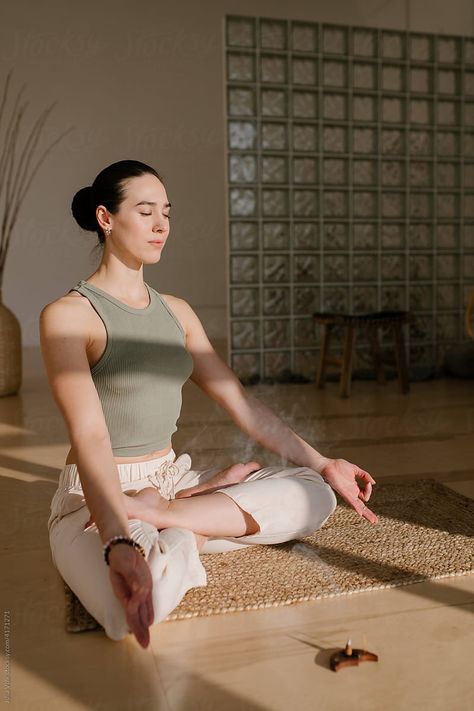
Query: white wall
{"points": [[145, 80]]}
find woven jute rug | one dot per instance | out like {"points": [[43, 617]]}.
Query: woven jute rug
{"points": [[425, 531]]}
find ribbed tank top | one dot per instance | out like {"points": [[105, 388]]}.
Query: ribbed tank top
{"points": [[140, 375]]}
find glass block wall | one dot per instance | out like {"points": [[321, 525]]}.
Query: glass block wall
{"points": [[351, 186]]}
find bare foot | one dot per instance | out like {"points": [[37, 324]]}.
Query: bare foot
{"points": [[232, 475]]}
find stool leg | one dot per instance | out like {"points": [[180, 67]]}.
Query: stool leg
{"points": [[373, 337], [346, 374], [401, 359], [321, 373]]}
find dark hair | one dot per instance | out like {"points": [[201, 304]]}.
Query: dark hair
{"points": [[108, 189]]}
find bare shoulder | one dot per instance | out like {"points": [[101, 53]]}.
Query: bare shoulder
{"points": [[71, 310]]}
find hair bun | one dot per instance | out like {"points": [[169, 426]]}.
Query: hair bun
{"points": [[83, 209]]}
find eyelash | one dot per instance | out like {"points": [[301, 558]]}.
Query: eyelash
{"points": [[147, 214]]}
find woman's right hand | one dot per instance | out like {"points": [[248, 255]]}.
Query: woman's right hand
{"points": [[132, 583]]}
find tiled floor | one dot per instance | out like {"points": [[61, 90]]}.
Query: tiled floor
{"points": [[268, 660]]}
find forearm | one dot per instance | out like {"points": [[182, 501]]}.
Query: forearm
{"points": [[257, 420], [101, 486]]}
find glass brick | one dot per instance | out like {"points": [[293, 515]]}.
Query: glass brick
{"points": [[306, 362], [393, 172], [334, 40], [447, 296], [364, 267], [393, 77], [305, 170], [334, 73], [420, 143], [421, 297], [365, 204], [273, 102], [335, 171], [245, 334], [468, 145], [420, 267], [364, 42], [305, 202], [468, 236], [305, 235], [421, 355], [305, 299], [420, 174], [364, 236], [447, 236], [393, 236], [274, 136], [274, 169], [448, 113], [448, 50], [336, 236], [241, 101], [242, 169], [244, 302], [468, 266], [363, 108], [334, 139], [468, 50], [304, 37], [364, 299], [420, 111], [243, 202], [276, 235], [304, 332], [335, 203], [447, 143], [335, 267], [304, 71], [246, 366], [277, 365], [447, 266], [447, 174], [305, 137], [335, 107], [448, 82], [363, 75], [242, 135], [469, 114], [364, 140], [244, 235], [276, 301], [273, 34], [392, 110], [276, 268], [469, 83], [420, 80], [392, 267], [275, 202], [305, 268], [335, 299], [393, 142], [392, 298], [421, 49], [273, 69], [447, 205], [420, 205], [393, 45], [244, 269], [305, 104], [240, 66], [419, 236], [364, 172], [468, 175], [469, 205], [421, 329], [241, 32], [447, 327]]}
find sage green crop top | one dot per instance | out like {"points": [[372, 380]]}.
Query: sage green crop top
{"points": [[140, 375]]}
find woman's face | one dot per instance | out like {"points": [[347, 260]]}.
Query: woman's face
{"points": [[140, 228]]}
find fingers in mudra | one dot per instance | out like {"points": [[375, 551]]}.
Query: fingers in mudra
{"points": [[234, 474]]}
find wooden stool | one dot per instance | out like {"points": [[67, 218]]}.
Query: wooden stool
{"points": [[370, 323]]}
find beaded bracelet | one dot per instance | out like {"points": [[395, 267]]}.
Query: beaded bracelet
{"points": [[121, 539]]}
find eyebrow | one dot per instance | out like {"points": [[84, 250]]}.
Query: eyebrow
{"points": [[147, 202]]}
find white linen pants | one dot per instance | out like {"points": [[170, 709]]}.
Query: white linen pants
{"points": [[286, 502]]}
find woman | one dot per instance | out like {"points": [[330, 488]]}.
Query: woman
{"points": [[117, 353]]}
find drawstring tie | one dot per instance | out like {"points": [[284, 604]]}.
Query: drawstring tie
{"points": [[164, 478]]}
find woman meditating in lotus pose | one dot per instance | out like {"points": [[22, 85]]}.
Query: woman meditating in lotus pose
{"points": [[129, 519]]}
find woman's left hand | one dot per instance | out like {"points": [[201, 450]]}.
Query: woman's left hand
{"points": [[341, 476]]}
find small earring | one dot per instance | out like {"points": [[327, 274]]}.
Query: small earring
{"points": [[108, 230]]}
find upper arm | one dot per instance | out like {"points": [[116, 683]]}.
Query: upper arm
{"points": [[64, 339], [210, 372]]}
